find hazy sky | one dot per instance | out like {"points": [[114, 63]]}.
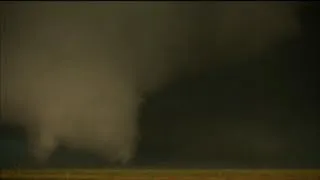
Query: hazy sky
{"points": [[259, 113]]}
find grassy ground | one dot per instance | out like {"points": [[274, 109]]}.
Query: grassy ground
{"points": [[160, 174]]}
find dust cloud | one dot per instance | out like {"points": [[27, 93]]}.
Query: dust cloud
{"points": [[74, 73]]}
